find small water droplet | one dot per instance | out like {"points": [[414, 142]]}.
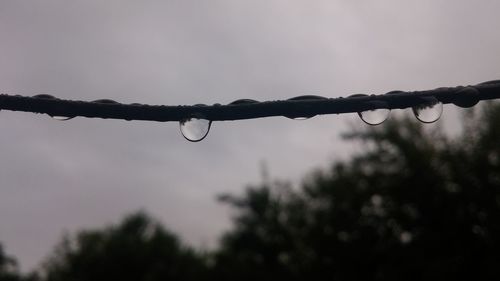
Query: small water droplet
{"points": [[302, 98], [195, 129], [492, 82], [395, 92], [61, 118], [44, 96], [308, 97], [428, 111], [106, 101], [357, 96], [243, 101], [375, 116], [466, 97]]}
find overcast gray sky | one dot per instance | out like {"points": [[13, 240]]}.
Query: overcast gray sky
{"points": [[63, 176]]}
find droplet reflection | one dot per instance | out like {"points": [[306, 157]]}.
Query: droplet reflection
{"points": [[429, 111], [61, 118], [195, 129], [374, 116]]}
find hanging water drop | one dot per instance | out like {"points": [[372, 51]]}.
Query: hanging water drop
{"points": [[195, 129], [429, 111], [374, 116], [377, 115]]}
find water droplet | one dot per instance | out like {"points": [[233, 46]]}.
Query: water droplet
{"points": [[466, 97], [395, 92], [44, 96], [375, 116], [302, 98], [61, 118], [308, 97], [492, 82], [106, 101], [243, 101], [358, 96], [195, 129], [429, 110]]}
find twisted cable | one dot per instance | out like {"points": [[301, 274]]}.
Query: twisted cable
{"points": [[302, 106]]}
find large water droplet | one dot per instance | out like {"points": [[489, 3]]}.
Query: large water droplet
{"points": [[302, 98], [195, 129], [375, 116], [429, 110], [61, 118], [466, 97]]}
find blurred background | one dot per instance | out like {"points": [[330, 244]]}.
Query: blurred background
{"points": [[60, 177]]}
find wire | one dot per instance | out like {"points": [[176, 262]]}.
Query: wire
{"points": [[302, 106]]}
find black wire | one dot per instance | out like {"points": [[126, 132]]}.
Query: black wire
{"points": [[302, 106]]}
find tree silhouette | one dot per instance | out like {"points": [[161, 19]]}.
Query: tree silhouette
{"points": [[136, 249], [415, 205], [8, 267]]}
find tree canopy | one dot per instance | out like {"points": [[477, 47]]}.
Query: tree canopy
{"points": [[414, 205], [138, 248], [8, 267]]}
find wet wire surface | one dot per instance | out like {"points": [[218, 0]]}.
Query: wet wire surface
{"points": [[297, 107]]}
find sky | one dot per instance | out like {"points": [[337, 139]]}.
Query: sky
{"points": [[61, 176]]}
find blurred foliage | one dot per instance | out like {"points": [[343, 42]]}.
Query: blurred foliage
{"points": [[136, 249], [415, 204], [8, 267], [9, 270]]}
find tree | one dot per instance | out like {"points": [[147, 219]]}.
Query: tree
{"points": [[415, 205], [136, 249], [8, 267]]}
